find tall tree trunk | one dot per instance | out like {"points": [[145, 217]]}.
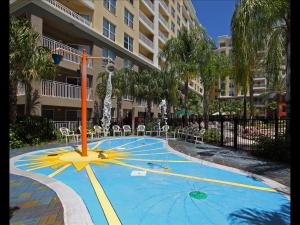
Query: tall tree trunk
{"points": [[205, 107], [148, 114], [119, 105], [186, 99], [13, 88], [251, 98], [28, 100]]}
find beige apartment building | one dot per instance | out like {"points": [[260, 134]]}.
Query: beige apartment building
{"points": [[229, 89], [132, 32]]}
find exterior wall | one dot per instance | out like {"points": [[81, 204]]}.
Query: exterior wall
{"points": [[49, 21]]}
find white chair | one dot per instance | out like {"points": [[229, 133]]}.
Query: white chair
{"points": [[126, 129], [200, 136], [65, 132], [140, 129], [116, 130], [89, 133], [98, 130]]}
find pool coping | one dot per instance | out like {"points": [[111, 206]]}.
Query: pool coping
{"points": [[76, 212]]}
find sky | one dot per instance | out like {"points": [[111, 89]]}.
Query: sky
{"points": [[215, 16]]}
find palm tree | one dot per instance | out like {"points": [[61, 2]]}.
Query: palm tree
{"points": [[147, 86], [27, 61], [262, 25], [179, 56]]}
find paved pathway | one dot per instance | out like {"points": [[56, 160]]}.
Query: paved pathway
{"points": [[35, 203], [238, 159]]}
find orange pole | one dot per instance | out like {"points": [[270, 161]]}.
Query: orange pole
{"points": [[83, 104]]}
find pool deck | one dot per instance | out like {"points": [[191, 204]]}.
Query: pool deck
{"points": [[30, 195]]}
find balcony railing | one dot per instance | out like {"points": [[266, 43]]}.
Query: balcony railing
{"points": [[69, 12], [146, 20], [164, 21], [52, 45], [63, 90], [146, 58], [71, 125], [259, 85], [164, 5], [146, 40], [21, 89], [149, 3], [162, 36]]}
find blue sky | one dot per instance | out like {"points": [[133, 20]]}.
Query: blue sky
{"points": [[215, 16]]}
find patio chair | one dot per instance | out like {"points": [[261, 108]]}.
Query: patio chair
{"points": [[98, 130], [126, 129], [65, 132], [140, 129], [155, 130], [199, 135], [116, 130], [89, 133]]}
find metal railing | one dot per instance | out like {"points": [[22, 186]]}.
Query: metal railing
{"points": [[149, 3], [164, 5], [52, 45], [71, 125], [146, 20], [164, 21], [162, 36], [63, 90], [146, 58], [69, 12], [146, 40], [21, 89]]}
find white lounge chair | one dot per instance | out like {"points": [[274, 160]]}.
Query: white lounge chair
{"points": [[89, 133], [140, 129], [116, 130], [98, 130], [65, 132], [126, 129]]}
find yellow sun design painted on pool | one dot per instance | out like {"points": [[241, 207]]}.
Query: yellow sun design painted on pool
{"points": [[63, 158]]}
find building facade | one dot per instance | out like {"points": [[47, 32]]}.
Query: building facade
{"points": [[229, 89], [131, 32]]}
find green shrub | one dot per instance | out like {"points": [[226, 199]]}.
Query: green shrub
{"points": [[14, 140], [212, 135], [269, 148]]}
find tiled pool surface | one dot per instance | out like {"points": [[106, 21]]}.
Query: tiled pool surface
{"points": [[137, 180]]}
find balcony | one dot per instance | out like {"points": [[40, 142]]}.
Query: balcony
{"points": [[149, 4], [60, 7], [146, 20], [162, 36], [146, 58], [88, 3], [63, 90], [164, 5], [146, 41], [52, 45], [259, 86], [164, 22]]}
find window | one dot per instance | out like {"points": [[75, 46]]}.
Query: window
{"points": [[128, 63], [231, 93], [178, 20], [173, 27], [222, 44], [109, 29], [173, 12], [128, 18], [110, 5], [131, 2], [178, 7], [112, 112], [108, 53], [128, 42]]}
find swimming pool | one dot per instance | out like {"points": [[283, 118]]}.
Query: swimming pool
{"points": [[140, 180]]}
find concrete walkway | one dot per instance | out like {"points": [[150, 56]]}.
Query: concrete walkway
{"points": [[237, 159]]}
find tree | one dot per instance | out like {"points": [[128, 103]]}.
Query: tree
{"points": [[179, 56], [27, 61], [148, 86], [263, 25]]}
